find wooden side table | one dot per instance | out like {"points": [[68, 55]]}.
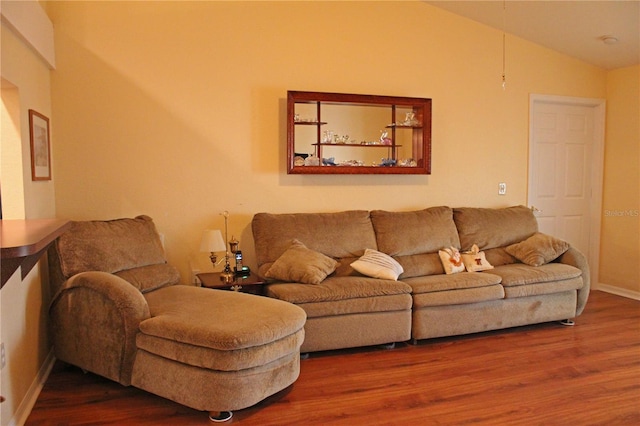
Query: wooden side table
{"points": [[251, 283]]}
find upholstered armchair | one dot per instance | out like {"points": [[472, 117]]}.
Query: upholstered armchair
{"points": [[118, 310]]}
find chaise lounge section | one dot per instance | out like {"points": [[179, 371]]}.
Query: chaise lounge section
{"points": [[119, 311]]}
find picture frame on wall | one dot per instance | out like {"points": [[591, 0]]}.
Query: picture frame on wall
{"points": [[40, 146]]}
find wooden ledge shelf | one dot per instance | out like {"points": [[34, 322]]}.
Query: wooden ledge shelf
{"points": [[24, 241]]}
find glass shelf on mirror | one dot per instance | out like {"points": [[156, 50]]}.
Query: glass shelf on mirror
{"points": [[360, 145]]}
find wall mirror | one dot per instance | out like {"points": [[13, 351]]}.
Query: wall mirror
{"points": [[338, 133]]}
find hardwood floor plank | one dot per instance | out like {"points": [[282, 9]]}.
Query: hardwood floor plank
{"points": [[546, 374]]}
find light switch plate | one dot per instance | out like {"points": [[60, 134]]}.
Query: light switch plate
{"points": [[502, 188]]}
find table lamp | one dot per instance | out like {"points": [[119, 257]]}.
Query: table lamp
{"points": [[212, 242]]}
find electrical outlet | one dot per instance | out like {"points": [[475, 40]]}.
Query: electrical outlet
{"points": [[502, 188], [3, 356]]}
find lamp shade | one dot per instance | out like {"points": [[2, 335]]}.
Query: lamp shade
{"points": [[212, 241]]}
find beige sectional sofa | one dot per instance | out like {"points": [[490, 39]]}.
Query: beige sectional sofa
{"points": [[349, 309]]}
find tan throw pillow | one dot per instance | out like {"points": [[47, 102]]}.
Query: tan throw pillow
{"points": [[538, 249], [475, 260], [302, 265], [451, 260], [378, 265]]}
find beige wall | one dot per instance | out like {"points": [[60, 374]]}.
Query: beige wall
{"points": [[177, 110], [24, 302], [620, 244]]}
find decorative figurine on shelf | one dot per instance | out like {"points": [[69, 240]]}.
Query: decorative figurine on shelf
{"points": [[337, 139], [408, 162], [327, 136], [384, 137], [331, 161], [312, 160], [410, 119]]}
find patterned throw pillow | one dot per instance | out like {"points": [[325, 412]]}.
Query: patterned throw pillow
{"points": [[451, 260], [378, 265], [475, 260]]}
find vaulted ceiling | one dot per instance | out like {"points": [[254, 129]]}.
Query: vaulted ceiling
{"points": [[576, 28]]}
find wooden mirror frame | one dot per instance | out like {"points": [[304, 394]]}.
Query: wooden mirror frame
{"points": [[421, 138]]}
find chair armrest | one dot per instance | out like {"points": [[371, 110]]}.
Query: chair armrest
{"points": [[95, 318], [574, 257]]}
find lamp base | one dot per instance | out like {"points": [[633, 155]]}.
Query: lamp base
{"points": [[226, 277]]}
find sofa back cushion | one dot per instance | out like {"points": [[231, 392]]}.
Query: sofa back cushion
{"points": [[338, 235], [492, 228], [109, 246], [413, 238]]}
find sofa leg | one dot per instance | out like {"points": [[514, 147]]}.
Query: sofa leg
{"points": [[220, 416], [389, 345], [568, 322], [304, 355]]}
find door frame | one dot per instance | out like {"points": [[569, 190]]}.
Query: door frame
{"points": [[597, 172]]}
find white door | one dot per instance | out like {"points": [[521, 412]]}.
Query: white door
{"points": [[565, 168]]}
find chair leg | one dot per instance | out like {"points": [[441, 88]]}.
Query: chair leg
{"points": [[220, 416]]}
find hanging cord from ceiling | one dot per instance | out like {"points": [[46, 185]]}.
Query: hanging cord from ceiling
{"points": [[504, 44]]}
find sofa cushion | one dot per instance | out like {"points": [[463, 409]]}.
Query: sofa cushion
{"points": [[540, 288], [520, 280], [377, 265], [218, 319], [151, 277], [417, 265], [490, 228], [462, 280], [414, 232], [521, 274], [109, 246], [458, 297], [337, 235], [362, 305], [336, 288], [300, 264], [538, 249], [499, 256], [220, 359]]}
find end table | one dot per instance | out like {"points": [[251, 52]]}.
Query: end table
{"points": [[251, 283]]}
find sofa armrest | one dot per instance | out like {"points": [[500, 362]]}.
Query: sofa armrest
{"points": [[95, 318], [575, 258]]}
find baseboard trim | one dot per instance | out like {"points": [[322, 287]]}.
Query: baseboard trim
{"points": [[29, 400], [629, 294]]}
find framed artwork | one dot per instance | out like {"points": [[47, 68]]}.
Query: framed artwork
{"points": [[40, 147]]}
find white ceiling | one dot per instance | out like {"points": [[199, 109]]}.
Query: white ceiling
{"points": [[573, 27]]}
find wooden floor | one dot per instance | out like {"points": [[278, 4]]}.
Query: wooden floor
{"points": [[546, 374]]}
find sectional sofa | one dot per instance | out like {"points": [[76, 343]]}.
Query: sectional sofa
{"points": [[379, 277]]}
